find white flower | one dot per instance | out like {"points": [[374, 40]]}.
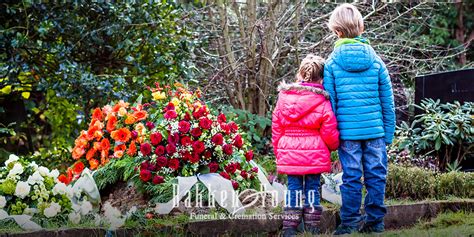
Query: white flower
{"points": [[35, 178], [69, 192], [52, 210], [54, 174], [33, 165], [76, 208], [74, 217], [16, 170], [22, 189], [3, 202], [43, 171], [30, 211], [113, 216], [86, 207], [59, 188], [11, 158]]}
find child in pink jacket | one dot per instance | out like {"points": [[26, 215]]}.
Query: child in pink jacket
{"points": [[304, 131]]}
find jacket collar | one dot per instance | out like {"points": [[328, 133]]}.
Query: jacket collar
{"points": [[297, 86]]}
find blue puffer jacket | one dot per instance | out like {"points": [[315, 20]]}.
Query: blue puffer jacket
{"points": [[361, 93]]}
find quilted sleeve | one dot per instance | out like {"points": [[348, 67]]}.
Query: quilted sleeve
{"points": [[329, 84], [328, 131], [387, 102], [276, 128]]}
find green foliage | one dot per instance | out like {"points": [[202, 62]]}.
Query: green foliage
{"points": [[419, 184], [442, 130], [62, 59], [257, 127], [116, 170]]}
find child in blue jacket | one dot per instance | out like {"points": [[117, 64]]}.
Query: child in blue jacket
{"points": [[361, 96]]}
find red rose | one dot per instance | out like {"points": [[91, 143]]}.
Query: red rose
{"points": [[134, 134], [173, 139], [184, 126], [150, 125], [238, 142], [158, 179], [218, 139], [145, 148], [244, 174], [237, 166], [254, 169], [170, 106], [235, 185], [198, 147], [249, 155], [197, 114], [233, 127], [207, 154], [145, 175], [170, 148], [173, 164], [186, 156], [187, 116], [156, 138], [205, 123], [144, 165], [170, 115], [226, 128], [221, 118], [196, 132], [160, 150], [186, 141], [228, 149], [194, 158], [213, 167], [161, 161], [225, 175], [230, 168]]}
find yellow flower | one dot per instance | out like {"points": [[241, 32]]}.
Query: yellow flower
{"points": [[187, 96], [175, 101], [122, 111], [158, 95], [140, 128]]}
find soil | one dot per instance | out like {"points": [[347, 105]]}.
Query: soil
{"points": [[124, 197]]}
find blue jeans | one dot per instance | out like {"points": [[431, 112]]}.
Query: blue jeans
{"points": [[368, 158], [296, 189]]}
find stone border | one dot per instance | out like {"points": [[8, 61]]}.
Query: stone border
{"points": [[398, 216]]}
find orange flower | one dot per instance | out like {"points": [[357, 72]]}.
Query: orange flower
{"points": [[140, 115], [63, 179], [130, 119], [78, 168], [140, 128], [97, 114], [91, 153], [104, 161], [118, 154], [105, 144], [81, 141], [132, 149], [111, 123], [78, 152], [93, 164], [119, 105], [104, 154], [120, 148], [121, 135]]}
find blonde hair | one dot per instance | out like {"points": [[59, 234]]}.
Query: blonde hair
{"points": [[347, 20], [311, 69]]}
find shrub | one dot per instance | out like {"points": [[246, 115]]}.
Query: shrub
{"points": [[445, 131], [417, 183]]}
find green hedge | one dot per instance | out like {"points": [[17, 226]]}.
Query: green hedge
{"points": [[417, 183]]}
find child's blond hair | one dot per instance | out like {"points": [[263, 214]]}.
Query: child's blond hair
{"points": [[347, 20], [311, 69]]}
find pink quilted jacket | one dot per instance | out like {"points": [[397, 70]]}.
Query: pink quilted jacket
{"points": [[304, 129]]}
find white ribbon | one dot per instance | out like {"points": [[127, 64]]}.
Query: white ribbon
{"points": [[24, 221], [184, 185]]}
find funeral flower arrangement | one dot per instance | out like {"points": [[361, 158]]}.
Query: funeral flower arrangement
{"points": [[173, 134], [26, 188]]}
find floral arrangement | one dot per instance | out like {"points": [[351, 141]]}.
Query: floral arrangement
{"points": [[26, 188], [174, 134]]}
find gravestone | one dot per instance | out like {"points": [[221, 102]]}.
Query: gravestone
{"points": [[446, 86]]}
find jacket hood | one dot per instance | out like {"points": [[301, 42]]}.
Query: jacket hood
{"points": [[297, 100], [354, 57]]}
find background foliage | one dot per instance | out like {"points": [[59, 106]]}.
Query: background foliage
{"points": [[58, 60]]}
